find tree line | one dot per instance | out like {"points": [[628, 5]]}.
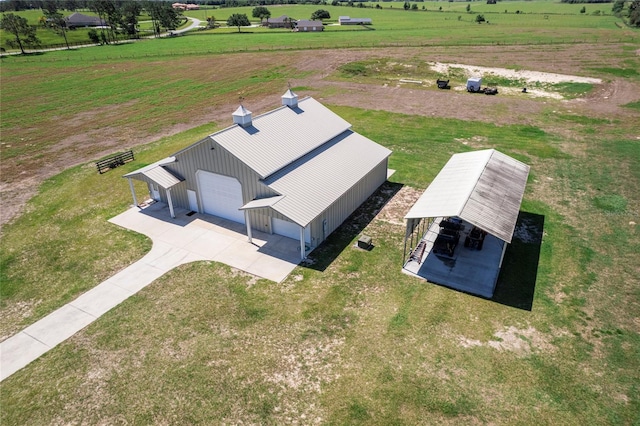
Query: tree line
{"points": [[120, 18]]}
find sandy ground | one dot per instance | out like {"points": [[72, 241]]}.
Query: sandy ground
{"points": [[76, 142], [525, 75]]}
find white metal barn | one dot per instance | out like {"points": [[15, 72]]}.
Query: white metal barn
{"points": [[482, 192], [297, 171]]}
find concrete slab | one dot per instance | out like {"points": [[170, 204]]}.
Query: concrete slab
{"points": [[59, 325], [469, 270], [101, 299], [18, 351], [136, 277]]}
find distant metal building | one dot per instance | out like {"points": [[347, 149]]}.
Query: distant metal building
{"points": [[297, 171], [346, 20]]}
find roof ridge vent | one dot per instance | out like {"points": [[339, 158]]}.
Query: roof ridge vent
{"points": [[290, 99], [242, 116]]}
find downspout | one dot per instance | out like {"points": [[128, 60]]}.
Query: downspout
{"points": [[173, 216], [247, 220], [133, 192], [303, 253]]}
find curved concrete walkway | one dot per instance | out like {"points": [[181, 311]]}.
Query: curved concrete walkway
{"points": [[176, 241]]}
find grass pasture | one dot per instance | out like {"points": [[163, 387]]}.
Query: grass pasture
{"points": [[348, 339], [541, 22]]}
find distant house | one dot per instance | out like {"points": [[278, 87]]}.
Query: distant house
{"points": [[185, 6], [297, 171], [281, 22], [78, 20], [308, 26], [345, 20]]}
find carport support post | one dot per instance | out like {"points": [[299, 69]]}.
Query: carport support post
{"points": [[247, 220], [133, 192], [173, 215], [504, 250], [302, 250]]}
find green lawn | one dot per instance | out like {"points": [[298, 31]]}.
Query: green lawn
{"points": [[543, 22], [358, 342]]}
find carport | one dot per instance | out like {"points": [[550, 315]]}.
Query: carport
{"points": [[458, 230]]}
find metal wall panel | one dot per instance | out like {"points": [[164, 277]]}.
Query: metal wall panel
{"points": [[209, 156]]}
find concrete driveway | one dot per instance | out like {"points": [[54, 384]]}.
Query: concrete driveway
{"points": [[176, 241], [202, 237]]}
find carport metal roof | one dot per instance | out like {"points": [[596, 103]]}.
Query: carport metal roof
{"points": [[484, 188]]}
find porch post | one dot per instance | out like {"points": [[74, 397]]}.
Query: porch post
{"points": [[133, 192], [302, 250], [173, 216], [247, 220]]}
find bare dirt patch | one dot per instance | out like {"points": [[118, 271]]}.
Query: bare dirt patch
{"points": [[83, 138], [522, 342], [524, 75]]}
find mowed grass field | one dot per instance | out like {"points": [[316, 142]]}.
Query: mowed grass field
{"points": [[349, 339], [538, 22]]}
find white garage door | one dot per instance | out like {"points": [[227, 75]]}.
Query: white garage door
{"points": [[221, 195], [289, 229]]}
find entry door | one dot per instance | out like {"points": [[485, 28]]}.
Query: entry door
{"points": [[155, 191], [193, 200]]}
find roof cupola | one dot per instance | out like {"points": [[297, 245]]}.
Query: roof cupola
{"points": [[290, 99], [242, 116]]}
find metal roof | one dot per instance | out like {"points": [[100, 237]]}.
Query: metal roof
{"points": [[157, 173], [262, 202], [313, 183], [280, 137], [484, 188]]}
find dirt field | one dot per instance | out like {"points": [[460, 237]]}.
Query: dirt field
{"points": [[74, 142]]}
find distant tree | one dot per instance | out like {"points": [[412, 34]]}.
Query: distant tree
{"points": [[130, 12], [468, 8], [480, 19], [491, 1], [25, 34], [261, 12], [407, 5], [104, 8], [335, 3], [378, 6], [169, 17], [238, 20], [634, 13], [93, 36], [617, 7], [54, 20], [414, 6], [320, 14], [70, 5], [583, 10], [162, 15], [211, 22]]}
